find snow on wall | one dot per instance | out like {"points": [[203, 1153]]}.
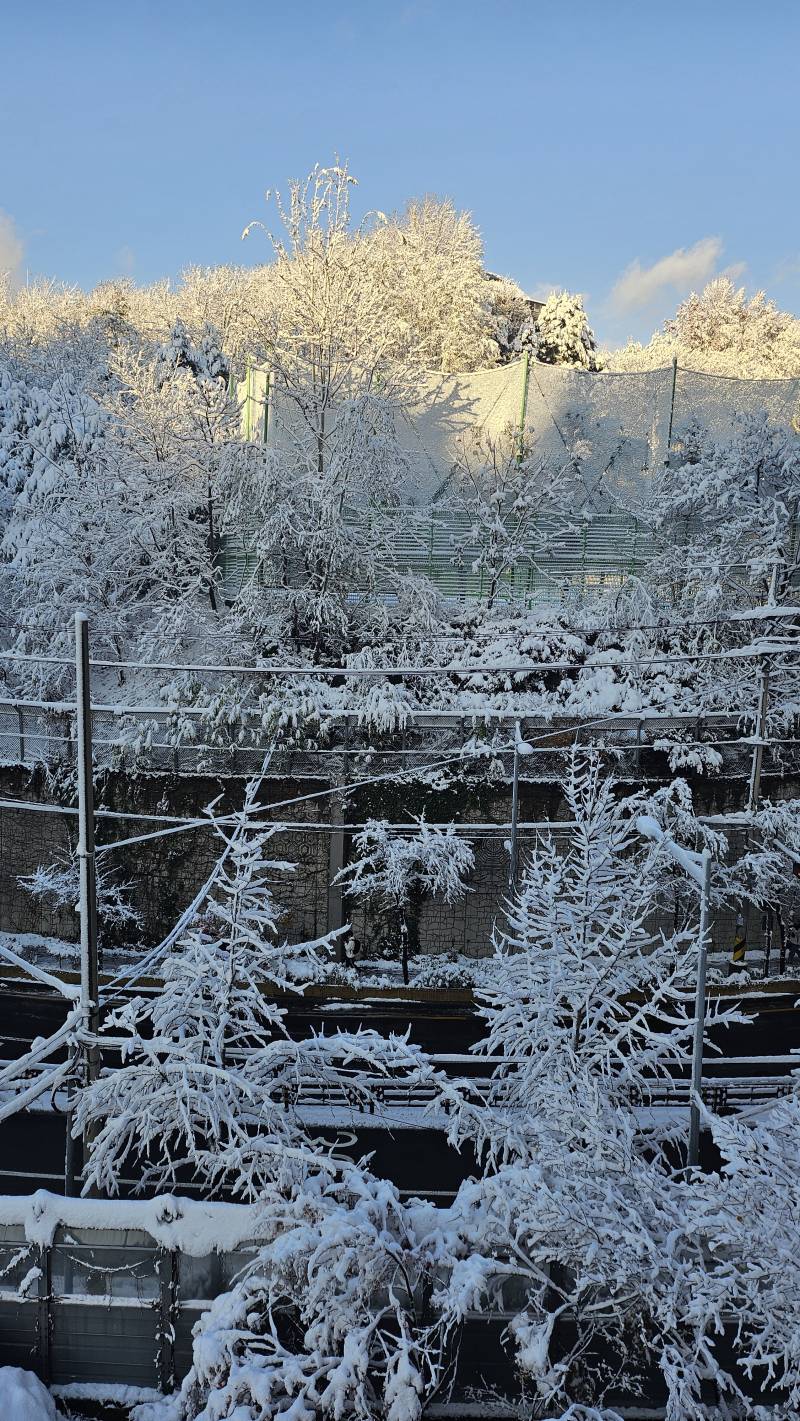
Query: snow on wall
{"points": [[190, 1226]]}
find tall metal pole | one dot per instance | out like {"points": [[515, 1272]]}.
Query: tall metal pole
{"points": [[699, 1013], [672, 406], [523, 410], [514, 853], [754, 791], [86, 854]]}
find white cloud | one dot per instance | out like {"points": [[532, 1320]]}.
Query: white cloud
{"points": [[685, 267], [11, 250]]}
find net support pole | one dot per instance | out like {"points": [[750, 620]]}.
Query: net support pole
{"points": [[86, 852], [672, 406], [523, 408]]}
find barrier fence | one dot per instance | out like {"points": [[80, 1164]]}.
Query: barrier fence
{"points": [[616, 431]]}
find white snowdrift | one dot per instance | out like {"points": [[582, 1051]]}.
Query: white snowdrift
{"points": [[24, 1398]]}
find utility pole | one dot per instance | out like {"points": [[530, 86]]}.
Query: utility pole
{"points": [[754, 791], [514, 845], [86, 853]]}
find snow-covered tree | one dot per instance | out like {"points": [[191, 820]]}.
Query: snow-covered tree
{"points": [[579, 1227], [319, 501], [321, 538], [210, 1076], [728, 510], [579, 940], [512, 319], [393, 872], [721, 332], [428, 265], [565, 336], [751, 1216], [115, 495], [513, 503]]}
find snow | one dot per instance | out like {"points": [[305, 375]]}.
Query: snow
{"points": [[194, 1227], [114, 1393], [691, 862], [24, 1398], [121, 429]]}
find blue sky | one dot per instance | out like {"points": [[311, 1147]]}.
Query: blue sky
{"points": [[589, 140]]}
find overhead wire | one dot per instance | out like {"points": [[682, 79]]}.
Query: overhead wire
{"points": [[567, 629], [764, 648]]}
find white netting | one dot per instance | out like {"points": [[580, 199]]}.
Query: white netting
{"points": [[614, 429], [612, 426], [714, 401], [449, 409]]}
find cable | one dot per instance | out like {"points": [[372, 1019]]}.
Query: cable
{"points": [[357, 672], [752, 615]]}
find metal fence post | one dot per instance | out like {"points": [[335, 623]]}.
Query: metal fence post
{"points": [[335, 914], [44, 1317], [167, 1267], [514, 845], [21, 724], [699, 1014]]}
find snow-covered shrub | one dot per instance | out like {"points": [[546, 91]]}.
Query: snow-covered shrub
{"points": [[684, 755], [446, 970], [58, 885], [332, 1319]]}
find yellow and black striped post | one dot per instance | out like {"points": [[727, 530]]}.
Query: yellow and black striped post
{"points": [[739, 948]]}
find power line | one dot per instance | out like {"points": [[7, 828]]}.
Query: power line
{"points": [[566, 629], [177, 824], [399, 672]]}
